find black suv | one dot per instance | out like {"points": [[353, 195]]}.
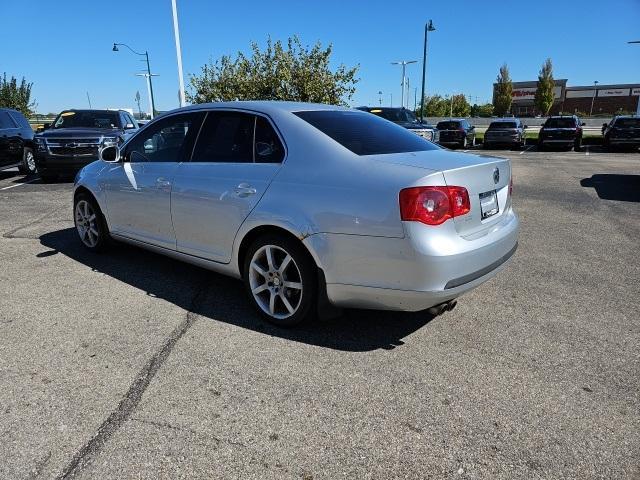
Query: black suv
{"points": [[562, 131], [74, 138], [16, 142], [405, 118], [622, 131], [505, 131], [456, 133]]}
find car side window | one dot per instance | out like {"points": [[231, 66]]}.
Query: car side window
{"points": [[6, 121], [225, 137], [169, 140], [268, 148], [130, 120]]}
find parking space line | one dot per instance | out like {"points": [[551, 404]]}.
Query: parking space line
{"points": [[19, 184], [586, 150], [526, 150]]}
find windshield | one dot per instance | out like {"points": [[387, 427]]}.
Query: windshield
{"points": [[448, 125], [560, 123], [394, 114], [628, 123], [497, 125], [87, 119], [365, 134]]}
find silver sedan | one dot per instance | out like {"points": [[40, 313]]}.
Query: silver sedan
{"points": [[312, 206]]}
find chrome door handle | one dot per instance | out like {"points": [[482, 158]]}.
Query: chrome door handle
{"points": [[244, 190], [162, 182]]}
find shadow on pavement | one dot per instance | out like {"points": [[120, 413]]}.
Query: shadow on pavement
{"points": [[178, 283], [624, 188]]}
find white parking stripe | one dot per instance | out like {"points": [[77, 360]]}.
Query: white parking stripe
{"points": [[19, 184], [586, 151], [526, 150], [465, 151]]}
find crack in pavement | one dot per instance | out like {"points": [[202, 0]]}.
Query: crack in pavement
{"points": [[133, 396], [11, 233]]}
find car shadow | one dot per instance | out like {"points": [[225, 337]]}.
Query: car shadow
{"points": [[609, 186], [224, 299]]}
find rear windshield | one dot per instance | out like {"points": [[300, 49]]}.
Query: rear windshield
{"points": [[448, 125], [394, 114], [628, 122], [365, 134], [496, 125], [560, 123]]}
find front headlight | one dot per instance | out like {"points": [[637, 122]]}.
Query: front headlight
{"points": [[110, 141], [41, 144]]}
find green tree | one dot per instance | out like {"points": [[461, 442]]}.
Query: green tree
{"points": [[485, 110], [294, 73], [460, 107], [502, 96], [434, 106], [16, 96], [544, 91]]}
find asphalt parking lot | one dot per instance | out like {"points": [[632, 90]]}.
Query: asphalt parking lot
{"points": [[131, 365]]}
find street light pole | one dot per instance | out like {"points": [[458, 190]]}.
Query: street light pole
{"points": [[380, 97], [404, 64], [148, 74], [428, 27], [176, 33], [595, 89]]}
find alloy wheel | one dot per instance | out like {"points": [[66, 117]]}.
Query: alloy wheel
{"points": [[30, 161], [87, 224], [275, 281]]}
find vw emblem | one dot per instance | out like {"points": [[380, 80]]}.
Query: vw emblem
{"points": [[71, 145], [496, 175]]}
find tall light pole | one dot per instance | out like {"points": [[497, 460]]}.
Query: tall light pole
{"points": [[638, 107], [428, 27], [176, 33], [380, 97], [595, 89], [148, 74], [404, 64]]}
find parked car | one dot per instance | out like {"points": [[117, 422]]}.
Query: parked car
{"points": [[622, 131], [74, 138], [562, 131], [311, 205], [505, 132], [16, 142], [407, 119], [456, 133]]}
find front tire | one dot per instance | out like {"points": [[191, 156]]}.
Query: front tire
{"points": [[90, 224], [28, 166], [280, 279]]}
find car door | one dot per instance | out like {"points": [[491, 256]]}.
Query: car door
{"points": [[138, 189], [235, 158], [10, 140]]}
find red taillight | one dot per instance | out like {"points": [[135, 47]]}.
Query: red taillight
{"points": [[433, 205]]}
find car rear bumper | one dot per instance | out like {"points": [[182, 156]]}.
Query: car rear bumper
{"points": [[564, 141], [624, 141], [429, 266]]}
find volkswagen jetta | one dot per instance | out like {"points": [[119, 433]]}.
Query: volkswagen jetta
{"points": [[310, 205]]}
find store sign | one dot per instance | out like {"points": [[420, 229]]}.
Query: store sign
{"points": [[530, 93], [614, 92], [580, 93], [635, 91]]}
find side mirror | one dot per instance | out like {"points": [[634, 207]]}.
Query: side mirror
{"points": [[605, 125], [109, 154], [524, 127], [583, 124], [129, 126], [46, 126]]}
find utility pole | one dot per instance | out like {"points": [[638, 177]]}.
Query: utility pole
{"points": [[89, 99], [428, 27], [404, 64], [380, 97], [148, 74], [391, 104], [176, 33], [593, 97]]}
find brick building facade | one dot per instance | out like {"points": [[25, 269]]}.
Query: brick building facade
{"points": [[606, 99]]}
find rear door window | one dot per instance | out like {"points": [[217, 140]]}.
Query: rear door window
{"points": [[225, 137], [364, 134], [268, 148]]}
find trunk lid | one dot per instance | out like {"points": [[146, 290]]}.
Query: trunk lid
{"points": [[474, 172]]}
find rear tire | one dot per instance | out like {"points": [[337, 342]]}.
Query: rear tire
{"points": [[281, 281], [485, 145], [28, 166], [90, 223]]}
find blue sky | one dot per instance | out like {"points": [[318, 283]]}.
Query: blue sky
{"points": [[64, 46]]}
